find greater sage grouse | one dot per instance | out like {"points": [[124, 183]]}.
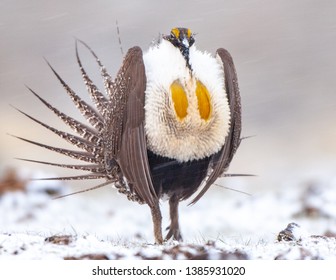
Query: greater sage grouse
{"points": [[168, 125]]}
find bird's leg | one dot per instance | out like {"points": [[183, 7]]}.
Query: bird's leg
{"points": [[157, 221], [174, 228]]}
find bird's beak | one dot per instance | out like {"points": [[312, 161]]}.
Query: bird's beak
{"points": [[185, 42]]}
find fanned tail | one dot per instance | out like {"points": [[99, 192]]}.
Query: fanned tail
{"points": [[83, 130], [108, 81], [91, 139], [86, 190], [69, 178], [95, 168], [90, 114], [97, 97], [72, 139], [83, 156]]}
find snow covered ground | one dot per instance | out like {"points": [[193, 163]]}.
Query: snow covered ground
{"points": [[223, 225]]}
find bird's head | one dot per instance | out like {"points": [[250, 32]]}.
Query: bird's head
{"points": [[183, 39]]}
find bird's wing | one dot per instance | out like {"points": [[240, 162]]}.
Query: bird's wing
{"points": [[221, 160], [133, 158]]}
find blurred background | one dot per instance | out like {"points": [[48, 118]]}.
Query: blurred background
{"points": [[284, 52]]}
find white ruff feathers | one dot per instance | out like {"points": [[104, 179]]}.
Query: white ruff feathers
{"points": [[193, 137]]}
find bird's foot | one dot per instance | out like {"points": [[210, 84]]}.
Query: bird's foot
{"points": [[173, 232]]}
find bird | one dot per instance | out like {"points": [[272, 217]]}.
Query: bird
{"points": [[166, 128]]}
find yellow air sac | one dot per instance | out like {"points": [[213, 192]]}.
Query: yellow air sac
{"points": [[203, 98], [180, 99]]}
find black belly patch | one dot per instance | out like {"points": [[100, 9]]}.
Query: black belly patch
{"points": [[172, 177]]}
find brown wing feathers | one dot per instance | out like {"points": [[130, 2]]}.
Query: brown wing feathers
{"points": [[222, 160], [231, 84], [133, 155]]}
